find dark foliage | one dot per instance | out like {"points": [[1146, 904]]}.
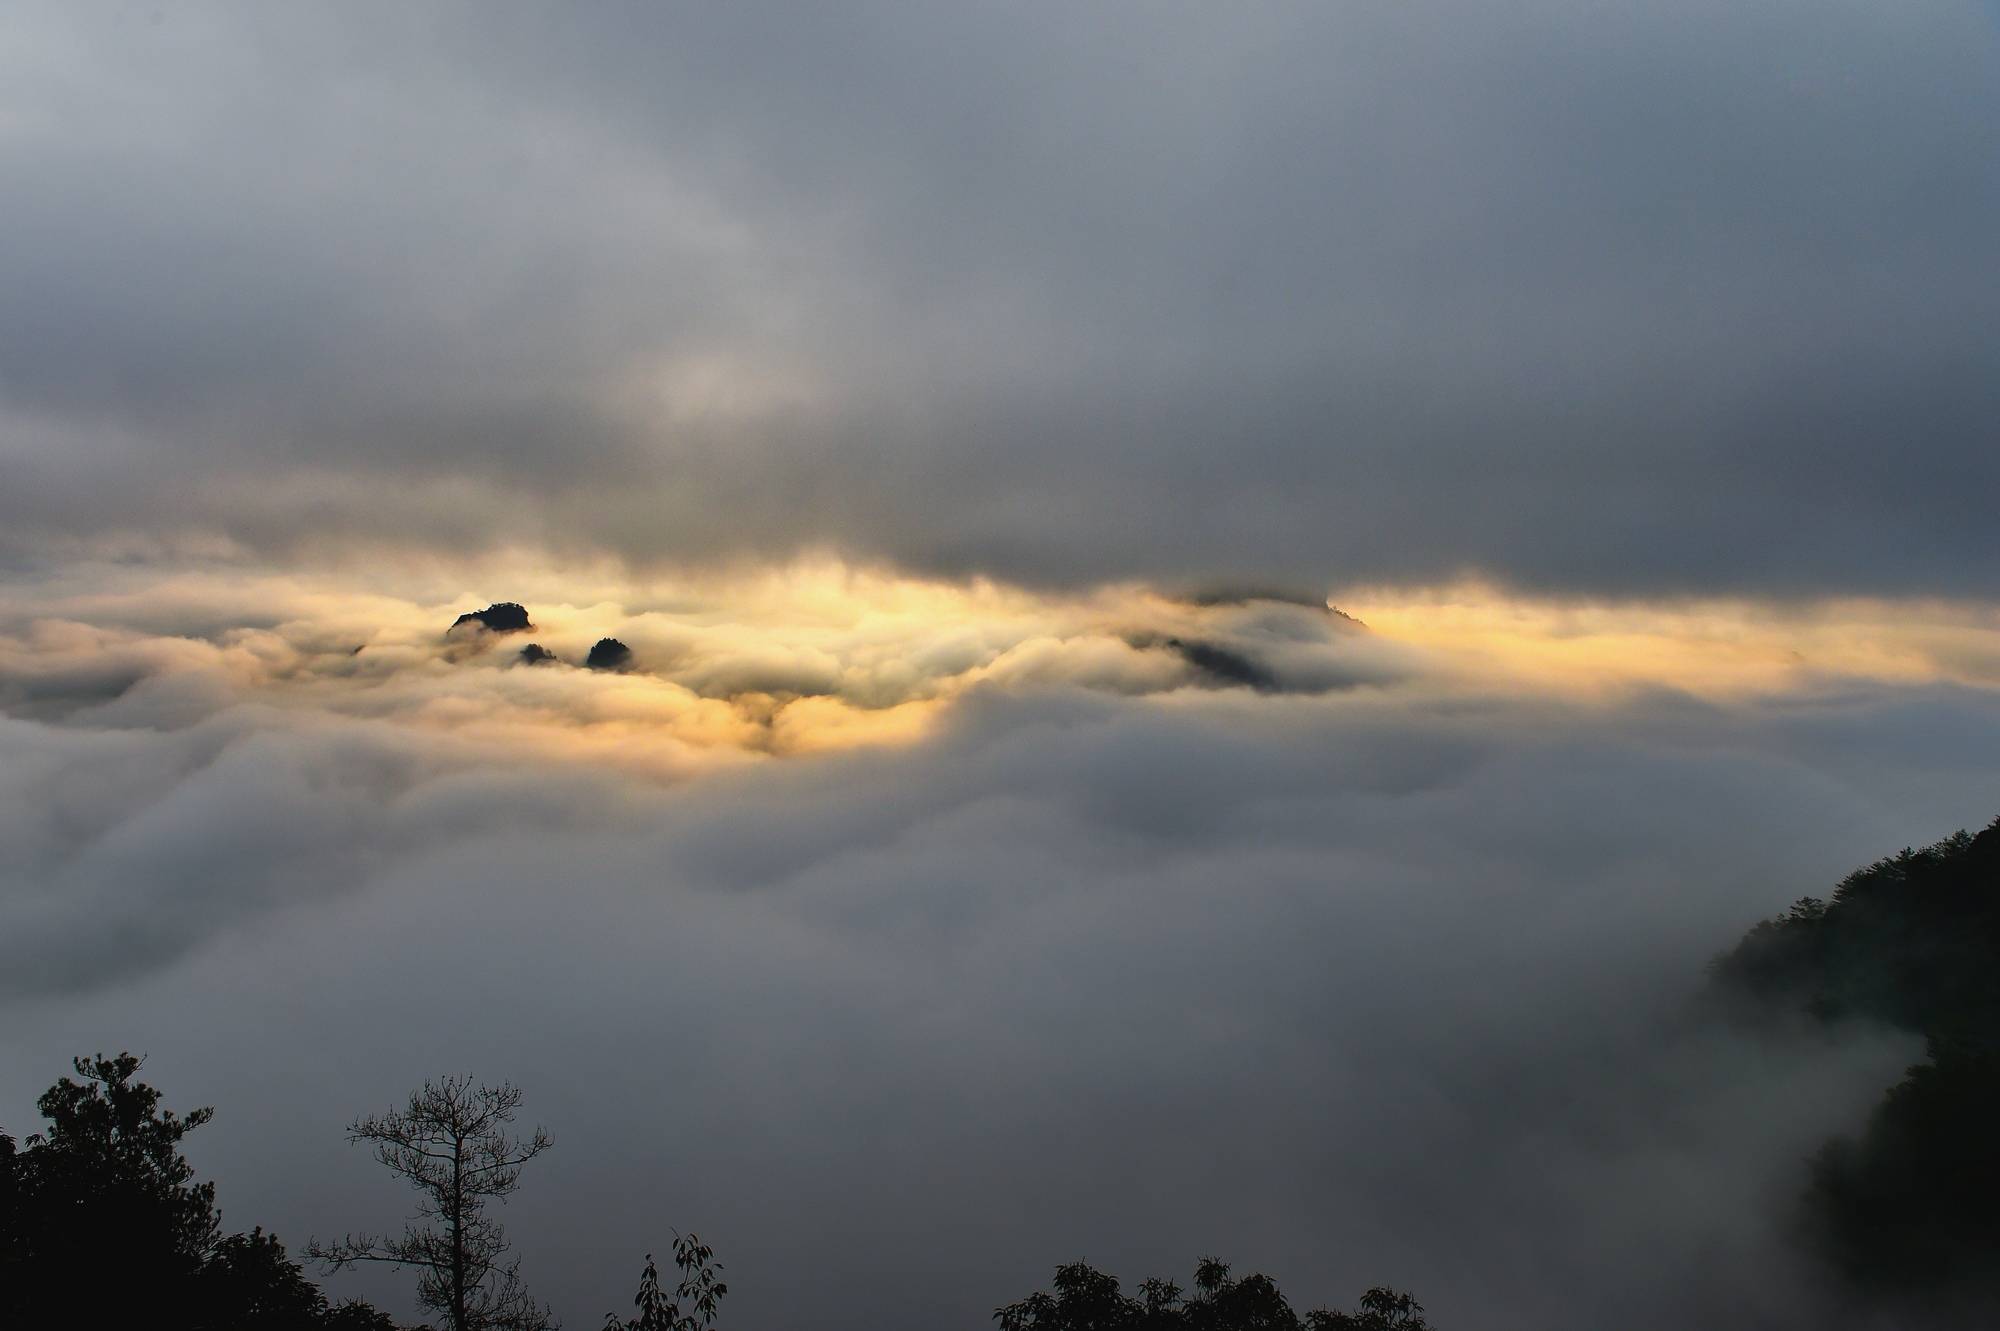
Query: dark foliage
{"points": [[1913, 940], [536, 654], [1912, 1201], [250, 1283], [693, 1304], [105, 1188], [500, 617], [608, 654], [1083, 1298]]}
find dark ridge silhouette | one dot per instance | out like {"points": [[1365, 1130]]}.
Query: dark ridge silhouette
{"points": [[1223, 666], [1912, 940], [536, 654], [500, 617], [1086, 1299], [608, 654]]}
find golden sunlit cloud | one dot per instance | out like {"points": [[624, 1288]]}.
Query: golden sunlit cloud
{"points": [[1713, 647], [818, 655]]}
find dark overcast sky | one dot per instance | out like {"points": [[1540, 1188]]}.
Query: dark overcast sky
{"points": [[1692, 296]]}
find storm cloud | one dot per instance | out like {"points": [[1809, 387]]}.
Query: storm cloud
{"points": [[1618, 298]]}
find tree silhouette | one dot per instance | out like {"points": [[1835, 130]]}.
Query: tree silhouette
{"points": [[1381, 1309], [106, 1179], [248, 1282], [452, 1144], [1085, 1299], [106, 1189]]}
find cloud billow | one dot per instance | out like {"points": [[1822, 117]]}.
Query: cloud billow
{"points": [[1358, 991], [1379, 976]]}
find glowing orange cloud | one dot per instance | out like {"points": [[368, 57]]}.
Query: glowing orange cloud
{"points": [[741, 666]]}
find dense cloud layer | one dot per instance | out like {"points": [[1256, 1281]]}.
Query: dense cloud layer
{"points": [[142, 695], [1619, 297], [1383, 982]]}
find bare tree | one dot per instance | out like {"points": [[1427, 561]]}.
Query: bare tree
{"points": [[451, 1142]]}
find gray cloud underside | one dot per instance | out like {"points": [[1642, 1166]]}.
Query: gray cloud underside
{"points": [[1584, 296], [1352, 991]]}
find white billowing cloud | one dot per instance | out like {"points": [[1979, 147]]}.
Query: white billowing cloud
{"points": [[1379, 983], [779, 660]]}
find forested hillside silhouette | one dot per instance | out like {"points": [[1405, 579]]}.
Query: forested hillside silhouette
{"points": [[1909, 1204]]}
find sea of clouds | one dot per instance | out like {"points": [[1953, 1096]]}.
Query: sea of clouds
{"points": [[1359, 969]]}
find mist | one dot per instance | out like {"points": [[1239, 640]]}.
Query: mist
{"points": [[1387, 982]]}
